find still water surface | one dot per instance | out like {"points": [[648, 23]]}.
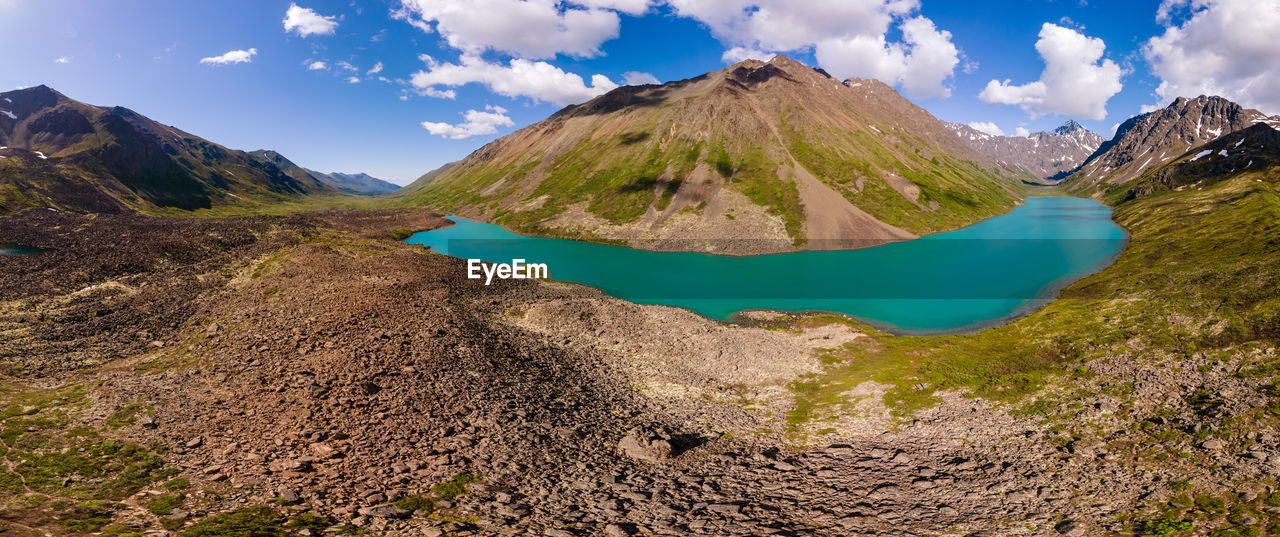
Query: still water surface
{"points": [[952, 282]]}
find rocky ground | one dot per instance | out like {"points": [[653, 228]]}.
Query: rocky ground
{"points": [[312, 374]]}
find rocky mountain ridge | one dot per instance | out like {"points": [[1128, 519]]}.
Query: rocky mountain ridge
{"points": [[356, 183], [68, 155], [1043, 155], [1154, 138]]}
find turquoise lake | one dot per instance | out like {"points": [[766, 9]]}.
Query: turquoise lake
{"points": [[13, 249], [953, 282]]}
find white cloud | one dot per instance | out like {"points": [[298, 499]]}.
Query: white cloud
{"points": [[1223, 47], [347, 66], [921, 64], [438, 93], [540, 81], [353, 80], [1076, 80], [234, 56], [63, 59], [305, 21], [317, 66], [847, 37], [1021, 131], [531, 29], [375, 70], [737, 54], [988, 127], [636, 78], [630, 7], [477, 124]]}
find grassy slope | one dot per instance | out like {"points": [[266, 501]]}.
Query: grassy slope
{"points": [[622, 175], [963, 192], [1199, 275]]}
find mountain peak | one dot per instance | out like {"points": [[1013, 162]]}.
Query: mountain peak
{"points": [[763, 142], [1069, 127], [1149, 140]]}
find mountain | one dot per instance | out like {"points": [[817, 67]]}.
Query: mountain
{"points": [[760, 156], [61, 153], [1252, 149], [1043, 155], [1152, 139], [356, 183]]}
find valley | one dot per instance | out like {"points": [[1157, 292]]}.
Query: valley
{"points": [[200, 341]]}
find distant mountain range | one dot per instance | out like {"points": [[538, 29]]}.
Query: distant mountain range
{"points": [[1044, 155], [356, 183], [61, 153], [360, 184], [759, 150]]}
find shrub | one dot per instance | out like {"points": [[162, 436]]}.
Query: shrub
{"points": [[1162, 527]]}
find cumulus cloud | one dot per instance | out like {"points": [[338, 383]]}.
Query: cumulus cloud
{"points": [[317, 66], [477, 123], [988, 127], [630, 7], [849, 38], [737, 54], [1021, 131], [530, 29], [539, 81], [437, 93], [353, 80], [636, 78], [1221, 47], [305, 21], [234, 56], [375, 70], [62, 59], [1076, 80], [921, 64]]}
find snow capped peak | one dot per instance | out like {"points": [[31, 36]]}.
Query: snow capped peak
{"points": [[1068, 128]]}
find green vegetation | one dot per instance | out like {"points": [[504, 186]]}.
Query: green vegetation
{"points": [[450, 490], [447, 491], [952, 193], [1163, 527], [416, 502], [307, 521], [1199, 275], [1210, 505], [66, 474], [165, 504], [248, 522]]}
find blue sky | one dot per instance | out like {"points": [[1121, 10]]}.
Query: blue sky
{"points": [[493, 66]]}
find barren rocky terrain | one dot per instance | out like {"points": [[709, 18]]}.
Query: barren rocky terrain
{"points": [[313, 374]]}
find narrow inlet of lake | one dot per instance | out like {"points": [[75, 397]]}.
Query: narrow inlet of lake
{"points": [[958, 281], [13, 249]]}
